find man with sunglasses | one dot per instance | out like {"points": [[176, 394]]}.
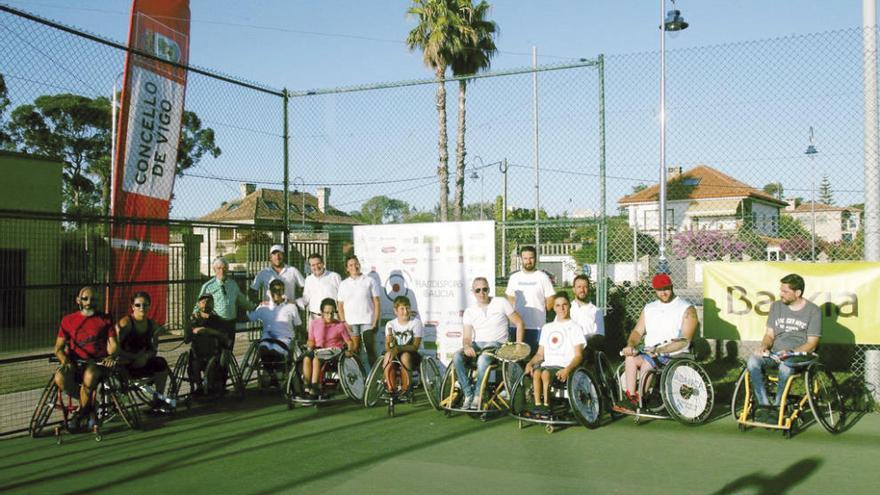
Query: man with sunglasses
{"points": [[485, 327], [669, 317], [280, 318], [86, 340]]}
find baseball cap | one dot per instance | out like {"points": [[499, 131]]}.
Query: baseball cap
{"points": [[661, 281], [276, 247]]}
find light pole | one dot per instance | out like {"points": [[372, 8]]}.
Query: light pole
{"points": [[811, 153], [299, 180], [673, 21], [475, 176], [502, 167]]}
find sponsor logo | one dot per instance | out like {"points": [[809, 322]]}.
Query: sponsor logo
{"points": [[453, 334], [389, 249], [161, 46], [409, 261], [432, 323]]}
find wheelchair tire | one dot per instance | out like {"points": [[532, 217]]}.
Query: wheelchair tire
{"points": [[351, 378], [488, 387], [125, 403], [179, 375], [521, 398], [44, 408], [250, 361], [429, 372], [375, 384], [687, 391], [511, 371], [585, 398], [607, 380], [234, 374], [620, 377], [293, 386], [824, 398], [738, 400], [450, 394]]}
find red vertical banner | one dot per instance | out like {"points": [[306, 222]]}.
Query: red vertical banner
{"points": [[148, 135]]}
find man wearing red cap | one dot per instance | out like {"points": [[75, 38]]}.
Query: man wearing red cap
{"points": [[669, 317]]}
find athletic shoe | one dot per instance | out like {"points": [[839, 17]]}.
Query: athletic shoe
{"points": [[468, 402]]}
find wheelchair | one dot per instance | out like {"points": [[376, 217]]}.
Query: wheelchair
{"points": [[252, 363], [216, 377], [340, 374], [677, 388], [113, 397], [810, 384], [494, 389], [396, 383], [576, 401]]}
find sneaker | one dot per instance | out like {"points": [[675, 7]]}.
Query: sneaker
{"points": [[265, 380], [468, 402], [633, 399]]}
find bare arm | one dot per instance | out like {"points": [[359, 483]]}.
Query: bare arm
{"points": [[635, 336], [60, 343], [467, 340], [766, 342], [376, 312], [548, 302], [689, 323], [809, 346], [517, 321], [539, 356], [564, 373]]}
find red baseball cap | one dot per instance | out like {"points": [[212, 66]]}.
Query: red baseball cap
{"points": [[661, 281]]}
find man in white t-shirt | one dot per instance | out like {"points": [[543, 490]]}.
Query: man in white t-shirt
{"points": [[320, 284], [587, 315], [530, 291], [485, 327], [280, 318], [358, 307], [277, 269], [560, 351], [669, 317]]}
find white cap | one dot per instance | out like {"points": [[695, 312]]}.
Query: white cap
{"points": [[276, 247]]}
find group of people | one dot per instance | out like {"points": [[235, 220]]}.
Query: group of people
{"points": [[344, 314]]}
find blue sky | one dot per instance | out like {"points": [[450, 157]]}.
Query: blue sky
{"points": [[741, 105]]}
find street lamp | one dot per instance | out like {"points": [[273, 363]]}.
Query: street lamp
{"points": [[673, 21], [811, 153], [302, 195]]}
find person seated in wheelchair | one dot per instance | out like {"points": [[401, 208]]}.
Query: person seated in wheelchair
{"points": [[794, 326], [84, 347], [280, 318], [209, 335], [669, 317], [327, 332], [560, 352], [485, 327], [403, 336], [138, 338]]}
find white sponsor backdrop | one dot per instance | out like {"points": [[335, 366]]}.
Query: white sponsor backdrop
{"points": [[433, 264]]}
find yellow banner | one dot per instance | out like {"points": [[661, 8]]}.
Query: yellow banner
{"points": [[737, 299]]}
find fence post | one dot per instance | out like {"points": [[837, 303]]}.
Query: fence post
{"points": [[285, 98], [602, 238], [872, 372]]}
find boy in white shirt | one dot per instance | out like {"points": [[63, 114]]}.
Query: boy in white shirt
{"points": [[403, 336], [280, 318]]}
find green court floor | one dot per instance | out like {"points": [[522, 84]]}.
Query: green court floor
{"points": [[258, 446]]}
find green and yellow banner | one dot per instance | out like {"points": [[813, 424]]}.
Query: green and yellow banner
{"points": [[737, 299]]}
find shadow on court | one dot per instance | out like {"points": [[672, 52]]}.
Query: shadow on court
{"points": [[762, 484]]}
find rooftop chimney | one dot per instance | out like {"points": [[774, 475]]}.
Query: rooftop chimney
{"points": [[247, 188], [673, 172], [323, 195]]}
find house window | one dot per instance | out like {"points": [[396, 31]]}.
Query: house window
{"points": [[272, 205], [233, 206], [690, 181], [652, 222], [12, 270]]}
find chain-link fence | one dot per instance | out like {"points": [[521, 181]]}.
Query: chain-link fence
{"points": [[537, 143]]}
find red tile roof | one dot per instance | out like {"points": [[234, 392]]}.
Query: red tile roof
{"points": [[701, 182]]}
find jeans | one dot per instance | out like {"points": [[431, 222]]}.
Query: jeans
{"points": [[756, 366], [483, 361]]}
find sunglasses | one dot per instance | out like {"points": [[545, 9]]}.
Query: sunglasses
{"points": [[141, 305], [481, 289], [327, 312], [277, 290]]}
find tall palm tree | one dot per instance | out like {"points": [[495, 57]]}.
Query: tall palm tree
{"points": [[475, 51], [436, 35]]}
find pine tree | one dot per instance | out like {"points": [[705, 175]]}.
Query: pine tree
{"points": [[826, 195]]}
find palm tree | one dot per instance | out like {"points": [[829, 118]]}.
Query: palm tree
{"points": [[477, 47], [436, 35]]}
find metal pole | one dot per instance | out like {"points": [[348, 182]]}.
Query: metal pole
{"points": [[537, 169], [602, 296], [811, 153], [662, 213], [285, 98], [503, 167], [482, 177], [871, 165]]}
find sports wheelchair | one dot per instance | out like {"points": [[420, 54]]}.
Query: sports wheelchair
{"points": [[677, 387], [114, 396], [580, 400], [220, 371], [252, 362], [493, 392], [396, 383], [810, 384], [339, 373]]}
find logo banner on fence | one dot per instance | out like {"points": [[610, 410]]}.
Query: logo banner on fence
{"points": [[433, 265], [737, 299], [146, 152]]}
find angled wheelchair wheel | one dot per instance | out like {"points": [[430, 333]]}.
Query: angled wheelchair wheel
{"points": [[351, 377], [490, 390], [521, 398], [429, 372], [450, 395], [605, 376], [234, 373], [824, 398], [250, 362], [620, 376], [686, 391], [179, 375], [125, 403], [511, 371], [375, 384], [585, 398], [742, 406], [293, 387], [44, 408]]}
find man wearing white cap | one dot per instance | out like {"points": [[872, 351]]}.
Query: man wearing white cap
{"points": [[277, 269]]}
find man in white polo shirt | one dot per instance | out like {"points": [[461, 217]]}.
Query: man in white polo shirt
{"points": [[320, 284], [587, 315], [530, 291], [277, 269], [358, 307], [485, 326]]}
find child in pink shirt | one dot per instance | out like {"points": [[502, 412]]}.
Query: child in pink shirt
{"points": [[325, 332]]}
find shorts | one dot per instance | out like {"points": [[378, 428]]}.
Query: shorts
{"points": [[657, 361], [553, 370], [415, 358], [358, 329], [153, 366]]}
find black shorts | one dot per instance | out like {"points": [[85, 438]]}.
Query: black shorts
{"points": [[415, 358], [153, 366]]}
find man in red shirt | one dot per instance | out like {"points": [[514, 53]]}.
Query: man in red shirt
{"points": [[86, 338]]}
